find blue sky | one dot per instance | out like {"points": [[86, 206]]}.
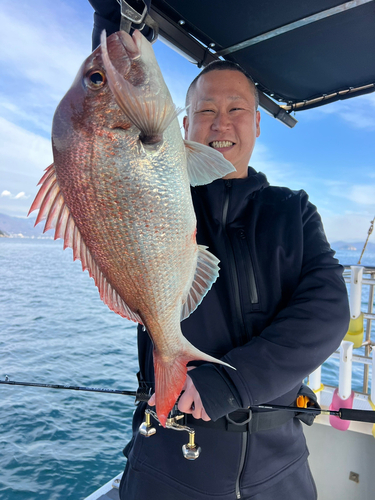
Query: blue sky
{"points": [[330, 153]]}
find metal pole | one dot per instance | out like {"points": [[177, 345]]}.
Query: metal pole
{"points": [[368, 336]]}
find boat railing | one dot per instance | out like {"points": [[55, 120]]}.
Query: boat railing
{"points": [[361, 281]]}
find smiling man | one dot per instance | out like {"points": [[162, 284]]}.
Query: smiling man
{"points": [[278, 309]]}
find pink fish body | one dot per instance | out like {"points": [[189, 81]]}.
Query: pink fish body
{"points": [[118, 193]]}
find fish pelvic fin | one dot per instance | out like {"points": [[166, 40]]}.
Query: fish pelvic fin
{"points": [[53, 209], [170, 376], [151, 114], [205, 164], [206, 273]]}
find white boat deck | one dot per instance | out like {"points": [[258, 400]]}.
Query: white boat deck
{"points": [[342, 462], [108, 491]]}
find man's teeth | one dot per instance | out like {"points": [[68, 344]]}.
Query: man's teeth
{"points": [[221, 144]]}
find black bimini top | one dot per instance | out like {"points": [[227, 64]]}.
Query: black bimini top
{"points": [[301, 53]]}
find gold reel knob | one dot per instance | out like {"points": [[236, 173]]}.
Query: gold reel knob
{"points": [[146, 429], [191, 450]]}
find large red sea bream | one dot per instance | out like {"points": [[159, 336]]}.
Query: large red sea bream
{"points": [[118, 193]]}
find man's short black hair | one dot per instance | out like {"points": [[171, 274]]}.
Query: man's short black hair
{"points": [[220, 66]]}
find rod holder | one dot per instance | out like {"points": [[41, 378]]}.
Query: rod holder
{"points": [[343, 396], [355, 291], [315, 382], [345, 370]]}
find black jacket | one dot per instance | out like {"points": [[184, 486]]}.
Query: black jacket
{"points": [[278, 309]]}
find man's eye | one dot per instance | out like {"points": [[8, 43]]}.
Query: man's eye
{"points": [[237, 109], [206, 111]]}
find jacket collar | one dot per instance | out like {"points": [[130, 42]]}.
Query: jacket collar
{"points": [[240, 191]]}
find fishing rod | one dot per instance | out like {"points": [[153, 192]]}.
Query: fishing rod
{"points": [[144, 394], [342, 413], [141, 394]]}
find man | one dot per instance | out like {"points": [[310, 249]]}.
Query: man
{"points": [[277, 311]]}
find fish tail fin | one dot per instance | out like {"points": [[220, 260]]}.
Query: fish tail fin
{"points": [[170, 376], [169, 381]]}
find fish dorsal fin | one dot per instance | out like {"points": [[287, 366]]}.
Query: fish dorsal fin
{"points": [[206, 273], [53, 209], [205, 164]]}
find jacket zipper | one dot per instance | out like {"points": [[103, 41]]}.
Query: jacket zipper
{"points": [[232, 263], [233, 271], [253, 292], [242, 463]]}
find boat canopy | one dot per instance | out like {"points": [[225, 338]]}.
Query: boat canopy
{"points": [[301, 53]]}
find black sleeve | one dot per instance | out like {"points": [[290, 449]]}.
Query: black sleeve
{"points": [[107, 16]]}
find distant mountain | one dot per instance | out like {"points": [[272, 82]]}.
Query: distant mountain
{"points": [[353, 246], [20, 227]]}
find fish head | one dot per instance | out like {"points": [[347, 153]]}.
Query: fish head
{"points": [[89, 106], [145, 101], [119, 94]]}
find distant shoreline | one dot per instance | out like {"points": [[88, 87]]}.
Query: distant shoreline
{"points": [[19, 227]]}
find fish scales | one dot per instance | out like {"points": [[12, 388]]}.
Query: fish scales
{"points": [[118, 192]]}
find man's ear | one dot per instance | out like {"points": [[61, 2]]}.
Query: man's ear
{"points": [[257, 121], [185, 123]]}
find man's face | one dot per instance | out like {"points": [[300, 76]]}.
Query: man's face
{"points": [[222, 115]]}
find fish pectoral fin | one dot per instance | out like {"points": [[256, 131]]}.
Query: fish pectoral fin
{"points": [[205, 164], [206, 273], [53, 209], [150, 114]]}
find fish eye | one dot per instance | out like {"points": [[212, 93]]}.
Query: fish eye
{"points": [[95, 79]]}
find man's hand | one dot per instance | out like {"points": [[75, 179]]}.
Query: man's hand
{"points": [[190, 400]]}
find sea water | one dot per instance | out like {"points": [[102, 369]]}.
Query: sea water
{"points": [[54, 329]]}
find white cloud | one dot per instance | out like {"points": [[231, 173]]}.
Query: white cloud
{"points": [[358, 112], [45, 48], [360, 194], [22, 152], [40, 56], [347, 226], [21, 195], [278, 173], [18, 196], [23, 157]]}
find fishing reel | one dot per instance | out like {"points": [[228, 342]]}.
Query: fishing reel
{"points": [[190, 450]]}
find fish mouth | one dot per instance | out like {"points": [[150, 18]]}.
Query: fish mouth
{"points": [[123, 46], [221, 144]]}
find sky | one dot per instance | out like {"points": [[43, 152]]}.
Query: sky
{"points": [[330, 153]]}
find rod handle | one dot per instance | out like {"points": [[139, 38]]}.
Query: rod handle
{"points": [[357, 415]]}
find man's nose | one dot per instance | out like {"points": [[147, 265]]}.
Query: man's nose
{"points": [[221, 121]]}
